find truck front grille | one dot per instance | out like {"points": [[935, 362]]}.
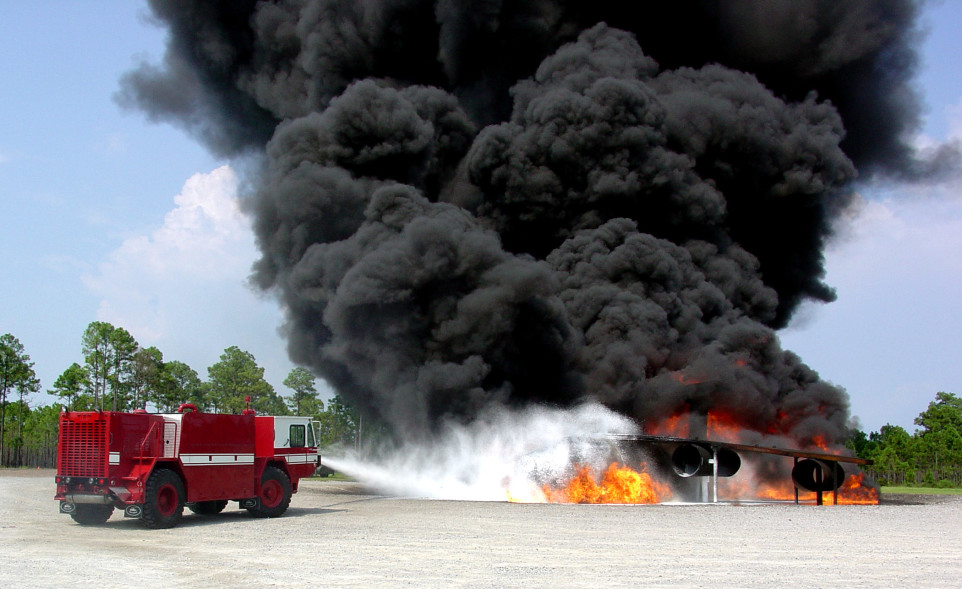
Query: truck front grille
{"points": [[83, 446]]}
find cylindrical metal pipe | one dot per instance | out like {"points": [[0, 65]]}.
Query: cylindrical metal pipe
{"points": [[728, 462], [691, 460], [818, 475]]}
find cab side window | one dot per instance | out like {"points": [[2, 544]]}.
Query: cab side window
{"points": [[298, 436]]}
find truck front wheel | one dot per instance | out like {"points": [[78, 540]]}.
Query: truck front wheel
{"points": [[275, 493], [163, 499], [91, 515]]}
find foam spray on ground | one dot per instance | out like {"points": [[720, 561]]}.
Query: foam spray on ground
{"points": [[507, 455]]}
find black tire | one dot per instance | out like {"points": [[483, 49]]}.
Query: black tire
{"points": [[91, 515], [207, 507], [274, 493], [163, 499]]}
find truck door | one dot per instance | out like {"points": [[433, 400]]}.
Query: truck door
{"points": [[294, 439]]}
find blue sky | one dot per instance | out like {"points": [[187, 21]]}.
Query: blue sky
{"points": [[107, 216], [893, 339]]}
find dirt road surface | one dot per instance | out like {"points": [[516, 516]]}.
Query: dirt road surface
{"points": [[337, 535]]}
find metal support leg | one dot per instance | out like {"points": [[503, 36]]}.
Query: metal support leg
{"points": [[835, 485], [796, 486], [818, 483], [714, 474]]}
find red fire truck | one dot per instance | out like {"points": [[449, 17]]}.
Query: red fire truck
{"points": [[153, 465]]}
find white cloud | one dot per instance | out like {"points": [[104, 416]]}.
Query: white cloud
{"points": [[203, 242], [899, 238], [182, 287]]}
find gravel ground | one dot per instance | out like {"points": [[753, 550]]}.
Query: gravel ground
{"points": [[337, 534]]}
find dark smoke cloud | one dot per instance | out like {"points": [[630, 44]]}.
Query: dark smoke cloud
{"points": [[466, 204], [687, 153]]}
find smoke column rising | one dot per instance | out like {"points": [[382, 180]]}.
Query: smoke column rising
{"points": [[470, 205]]}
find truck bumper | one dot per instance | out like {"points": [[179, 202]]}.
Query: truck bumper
{"points": [[87, 498]]}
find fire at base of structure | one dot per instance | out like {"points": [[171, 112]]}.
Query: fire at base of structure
{"points": [[700, 465]]}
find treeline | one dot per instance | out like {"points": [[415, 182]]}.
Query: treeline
{"points": [[117, 374], [930, 457]]}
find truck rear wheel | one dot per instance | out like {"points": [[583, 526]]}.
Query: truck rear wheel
{"points": [[163, 499], [274, 493], [207, 507], [91, 515]]}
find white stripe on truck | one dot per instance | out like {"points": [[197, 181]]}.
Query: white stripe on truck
{"points": [[216, 459]]}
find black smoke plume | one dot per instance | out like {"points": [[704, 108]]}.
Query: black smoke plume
{"points": [[474, 204]]}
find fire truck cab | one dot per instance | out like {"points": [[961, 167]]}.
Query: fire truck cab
{"points": [[153, 465]]}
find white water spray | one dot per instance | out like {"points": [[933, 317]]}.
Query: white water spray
{"points": [[505, 455]]}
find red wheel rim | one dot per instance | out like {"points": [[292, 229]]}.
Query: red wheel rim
{"points": [[272, 492], [167, 500]]}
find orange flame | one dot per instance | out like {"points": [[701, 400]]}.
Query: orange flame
{"points": [[784, 491], [619, 484], [722, 427], [854, 491], [819, 441], [685, 379], [777, 425], [677, 425]]}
